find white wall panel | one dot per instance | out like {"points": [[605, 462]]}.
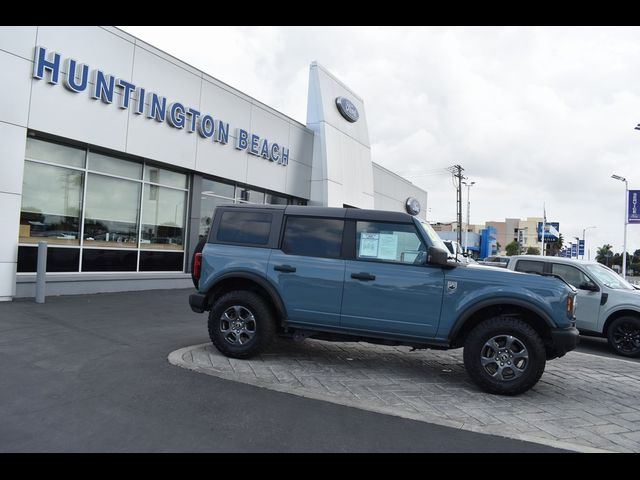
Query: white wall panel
{"points": [[7, 281], [161, 142], [15, 82], [221, 160], [225, 106], [10, 221], [19, 40], [300, 144], [266, 174], [157, 75], [13, 141], [298, 179], [56, 110], [270, 126]]}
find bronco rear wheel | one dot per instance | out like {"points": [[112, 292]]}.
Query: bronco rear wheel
{"points": [[504, 355], [241, 324]]}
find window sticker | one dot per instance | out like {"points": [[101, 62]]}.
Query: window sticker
{"points": [[388, 246], [369, 243]]}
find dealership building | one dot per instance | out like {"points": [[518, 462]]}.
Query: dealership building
{"points": [[115, 154]]}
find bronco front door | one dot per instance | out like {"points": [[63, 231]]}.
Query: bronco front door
{"points": [[388, 288]]}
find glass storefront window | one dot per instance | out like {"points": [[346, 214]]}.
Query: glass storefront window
{"points": [[164, 177], [54, 153], [207, 206], [246, 195], [133, 215], [60, 259], [96, 260], [211, 187], [111, 212], [51, 203], [163, 216], [114, 166], [273, 199]]}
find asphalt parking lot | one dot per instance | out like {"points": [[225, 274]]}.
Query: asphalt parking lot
{"points": [[91, 373]]}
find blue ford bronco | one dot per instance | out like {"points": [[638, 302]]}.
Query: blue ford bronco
{"points": [[382, 277]]}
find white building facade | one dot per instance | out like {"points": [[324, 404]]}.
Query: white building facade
{"points": [[115, 154]]}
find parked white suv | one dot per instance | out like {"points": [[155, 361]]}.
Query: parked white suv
{"points": [[607, 305]]}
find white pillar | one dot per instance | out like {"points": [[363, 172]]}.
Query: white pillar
{"points": [[13, 140]]}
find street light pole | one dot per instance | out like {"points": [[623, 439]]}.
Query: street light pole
{"points": [[624, 248], [585, 241], [466, 232]]}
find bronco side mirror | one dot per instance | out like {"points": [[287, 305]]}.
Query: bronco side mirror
{"points": [[438, 256]]}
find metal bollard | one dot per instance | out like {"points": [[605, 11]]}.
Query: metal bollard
{"points": [[41, 272]]}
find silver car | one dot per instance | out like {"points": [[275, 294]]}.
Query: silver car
{"points": [[607, 305]]}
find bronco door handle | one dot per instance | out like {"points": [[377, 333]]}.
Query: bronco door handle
{"points": [[285, 268], [363, 276]]}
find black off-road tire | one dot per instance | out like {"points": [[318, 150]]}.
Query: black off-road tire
{"points": [[506, 379], [623, 336], [253, 312]]}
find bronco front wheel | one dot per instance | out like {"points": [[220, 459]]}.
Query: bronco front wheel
{"points": [[504, 355]]}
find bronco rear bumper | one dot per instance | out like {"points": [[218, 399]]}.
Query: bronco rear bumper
{"points": [[564, 340], [198, 302]]}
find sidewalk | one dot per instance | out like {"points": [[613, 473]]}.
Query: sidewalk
{"points": [[582, 402]]}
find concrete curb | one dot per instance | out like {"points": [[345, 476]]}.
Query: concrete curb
{"points": [[176, 358]]}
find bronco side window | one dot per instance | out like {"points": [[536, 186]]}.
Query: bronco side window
{"points": [[388, 242], [313, 237], [245, 228]]}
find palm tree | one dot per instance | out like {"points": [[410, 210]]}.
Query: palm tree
{"points": [[604, 253], [554, 247]]}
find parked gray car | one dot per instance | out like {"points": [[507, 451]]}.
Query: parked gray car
{"points": [[607, 305]]}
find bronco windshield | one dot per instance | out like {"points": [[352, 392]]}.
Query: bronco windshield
{"points": [[607, 276], [431, 234]]}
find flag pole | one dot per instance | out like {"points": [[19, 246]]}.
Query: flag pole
{"points": [[544, 224]]}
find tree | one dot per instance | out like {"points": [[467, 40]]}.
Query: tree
{"points": [[604, 253], [512, 248], [533, 251]]}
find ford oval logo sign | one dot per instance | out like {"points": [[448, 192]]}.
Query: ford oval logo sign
{"points": [[412, 206], [347, 109]]}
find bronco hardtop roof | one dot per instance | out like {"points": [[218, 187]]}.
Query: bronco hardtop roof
{"points": [[331, 212]]}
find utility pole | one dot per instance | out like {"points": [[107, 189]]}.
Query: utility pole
{"points": [[456, 171], [466, 230]]}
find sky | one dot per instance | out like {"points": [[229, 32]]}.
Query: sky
{"points": [[535, 115]]}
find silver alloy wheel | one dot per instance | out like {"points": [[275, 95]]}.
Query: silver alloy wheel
{"points": [[238, 325], [504, 357]]}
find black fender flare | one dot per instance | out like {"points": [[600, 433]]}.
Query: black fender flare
{"points": [[273, 293], [499, 301]]}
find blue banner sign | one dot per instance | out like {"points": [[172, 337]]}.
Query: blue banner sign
{"points": [[551, 231], [581, 247], [574, 250], [634, 207], [77, 78]]}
